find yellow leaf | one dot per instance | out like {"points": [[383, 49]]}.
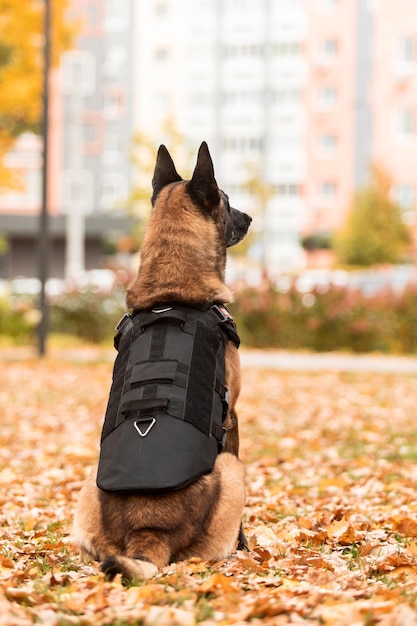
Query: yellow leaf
{"points": [[326, 483], [29, 523]]}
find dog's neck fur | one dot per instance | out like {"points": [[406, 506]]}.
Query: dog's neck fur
{"points": [[179, 264]]}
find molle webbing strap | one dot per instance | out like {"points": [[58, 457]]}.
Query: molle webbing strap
{"points": [[171, 363], [202, 377], [156, 352], [120, 371]]}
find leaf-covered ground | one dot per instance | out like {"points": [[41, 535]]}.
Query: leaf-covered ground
{"points": [[331, 511]]}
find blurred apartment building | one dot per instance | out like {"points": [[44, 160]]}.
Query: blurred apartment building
{"points": [[302, 94], [91, 127]]}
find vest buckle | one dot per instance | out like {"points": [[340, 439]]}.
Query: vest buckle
{"points": [[222, 312]]}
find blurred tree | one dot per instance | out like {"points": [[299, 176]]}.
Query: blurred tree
{"points": [[374, 231], [261, 192], [4, 246], [21, 66]]}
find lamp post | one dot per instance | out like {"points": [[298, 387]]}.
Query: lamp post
{"points": [[44, 216]]}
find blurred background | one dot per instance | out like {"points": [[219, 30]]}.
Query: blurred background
{"points": [[309, 108]]}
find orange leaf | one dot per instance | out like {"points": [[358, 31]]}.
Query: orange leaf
{"points": [[216, 582], [342, 532], [6, 562], [406, 526]]}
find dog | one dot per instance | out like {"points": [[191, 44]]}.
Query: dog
{"points": [[183, 258]]}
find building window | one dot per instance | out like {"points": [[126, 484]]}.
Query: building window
{"points": [[328, 50], [405, 197], [161, 55], [291, 5], [237, 98], [247, 144], [406, 52], [116, 15], [78, 73], [161, 9], [327, 97], [286, 97], [404, 55], [327, 144], [284, 237], [92, 13], [90, 133], [114, 60], [201, 7], [244, 50], [327, 190], [113, 191], [77, 190], [241, 189], [113, 103], [286, 49], [327, 5], [406, 123], [113, 149], [287, 190]]}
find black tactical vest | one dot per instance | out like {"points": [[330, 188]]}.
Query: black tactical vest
{"points": [[163, 424]]}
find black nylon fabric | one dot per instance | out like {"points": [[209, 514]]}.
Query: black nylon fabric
{"points": [[200, 406], [169, 376], [120, 371]]}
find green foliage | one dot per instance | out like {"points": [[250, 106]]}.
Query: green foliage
{"points": [[317, 241], [339, 319], [374, 231], [87, 315], [18, 320], [4, 245]]}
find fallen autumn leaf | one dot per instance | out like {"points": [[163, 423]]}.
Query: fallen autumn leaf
{"points": [[331, 512]]}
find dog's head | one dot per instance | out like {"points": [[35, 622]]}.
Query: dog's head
{"points": [[204, 192], [183, 255]]}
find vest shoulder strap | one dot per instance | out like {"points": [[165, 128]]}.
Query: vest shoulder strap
{"points": [[216, 315]]}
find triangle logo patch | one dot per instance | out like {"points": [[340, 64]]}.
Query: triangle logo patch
{"points": [[144, 426]]}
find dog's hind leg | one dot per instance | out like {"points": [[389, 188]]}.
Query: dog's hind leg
{"points": [[220, 536]]}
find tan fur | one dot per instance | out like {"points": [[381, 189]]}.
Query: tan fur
{"points": [[200, 520], [185, 259], [182, 260]]}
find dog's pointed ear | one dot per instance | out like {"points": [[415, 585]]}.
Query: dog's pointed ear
{"points": [[165, 172], [203, 185]]}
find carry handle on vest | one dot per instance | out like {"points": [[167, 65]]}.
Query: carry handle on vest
{"points": [[163, 315]]}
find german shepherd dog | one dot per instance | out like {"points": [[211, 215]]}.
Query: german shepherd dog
{"points": [[183, 260]]}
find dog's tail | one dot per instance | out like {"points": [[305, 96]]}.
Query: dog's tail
{"points": [[131, 570]]}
